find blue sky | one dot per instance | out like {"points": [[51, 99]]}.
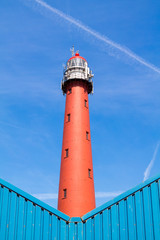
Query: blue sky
{"points": [[124, 109]]}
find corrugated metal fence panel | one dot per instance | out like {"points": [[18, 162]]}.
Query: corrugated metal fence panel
{"points": [[133, 216], [18, 191], [24, 219]]}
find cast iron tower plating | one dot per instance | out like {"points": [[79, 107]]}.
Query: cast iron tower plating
{"points": [[76, 186]]}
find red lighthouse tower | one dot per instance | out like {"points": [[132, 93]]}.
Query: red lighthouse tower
{"points": [[76, 186]]}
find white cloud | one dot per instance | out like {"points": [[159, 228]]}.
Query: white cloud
{"points": [[107, 194], [46, 196]]}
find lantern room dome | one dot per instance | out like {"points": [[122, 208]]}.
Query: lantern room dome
{"points": [[77, 56]]}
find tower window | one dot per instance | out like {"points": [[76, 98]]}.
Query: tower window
{"points": [[89, 173], [66, 152], [65, 193], [85, 103], [87, 135], [68, 117], [69, 91]]}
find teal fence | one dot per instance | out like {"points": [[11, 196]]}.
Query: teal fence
{"points": [[134, 215]]}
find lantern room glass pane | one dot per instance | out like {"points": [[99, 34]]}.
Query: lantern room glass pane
{"points": [[76, 62], [73, 62]]}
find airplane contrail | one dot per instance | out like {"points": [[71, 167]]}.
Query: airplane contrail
{"points": [[148, 169], [99, 36]]}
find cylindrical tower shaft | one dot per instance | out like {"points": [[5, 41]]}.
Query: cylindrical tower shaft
{"points": [[76, 186]]}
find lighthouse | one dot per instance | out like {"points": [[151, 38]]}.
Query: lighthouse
{"points": [[76, 185]]}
